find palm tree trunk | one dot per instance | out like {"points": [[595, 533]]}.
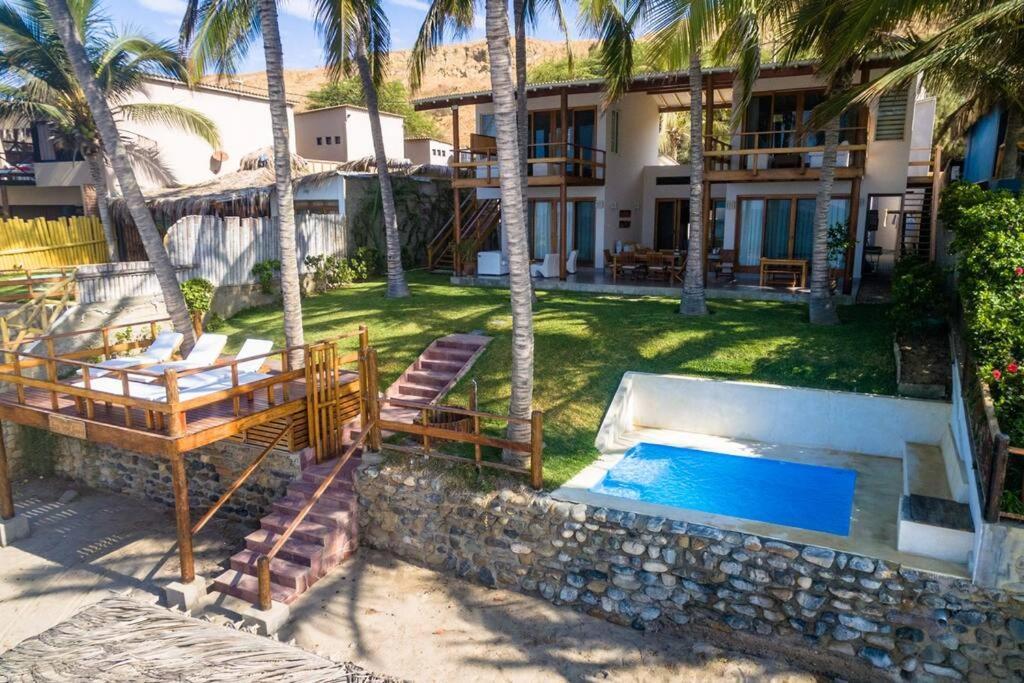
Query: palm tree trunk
{"points": [[692, 302], [522, 110], [118, 155], [98, 171], [397, 288], [291, 292], [513, 222], [822, 309], [1009, 167]]}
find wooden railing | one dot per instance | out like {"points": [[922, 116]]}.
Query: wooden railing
{"points": [[789, 149], [429, 435], [441, 242], [36, 315], [546, 160]]}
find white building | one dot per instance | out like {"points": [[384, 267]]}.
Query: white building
{"points": [[605, 181], [428, 151], [342, 134], [60, 185]]}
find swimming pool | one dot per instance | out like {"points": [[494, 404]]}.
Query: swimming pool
{"points": [[792, 494]]}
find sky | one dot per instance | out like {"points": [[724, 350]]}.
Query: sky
{"points": [[160, 19]]}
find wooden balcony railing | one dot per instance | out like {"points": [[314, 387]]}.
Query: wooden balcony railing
{"points": [[793, 149], [548, 163]]}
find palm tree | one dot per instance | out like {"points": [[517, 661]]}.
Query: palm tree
{"points": [[38, 85], [679, 30], [358, 33], [67, 26], [513, 220], [978, 57], [219, 33], [820, 28]]}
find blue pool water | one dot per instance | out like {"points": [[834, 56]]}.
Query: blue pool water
{"points": [[792, 494]]}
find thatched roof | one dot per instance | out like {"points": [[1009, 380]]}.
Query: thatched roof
{"points": [[248, 192], [120, 639]]}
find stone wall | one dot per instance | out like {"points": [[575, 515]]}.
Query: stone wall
{"points": [[855, 617], [210, 470]]}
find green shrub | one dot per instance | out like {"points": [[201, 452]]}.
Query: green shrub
{"points": [[213, 322], [198, 294], [333, 272], [988, 232], [918, 298], [265, 272]]}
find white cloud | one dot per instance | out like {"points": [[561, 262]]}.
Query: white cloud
{"points": [[165, 6], [300, 9], [420, 5]]}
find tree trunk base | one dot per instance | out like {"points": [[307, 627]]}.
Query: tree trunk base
{"points": [[823, 312], [693, 307], [400, 291]]}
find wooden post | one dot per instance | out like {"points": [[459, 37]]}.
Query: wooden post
{"points": [[263, 575], [182, 518], [936, 191], [456, 251], [851, 232], [563, 204], [474, 404], [537, 450], [373, 398], [6, 495], [176, 419]]}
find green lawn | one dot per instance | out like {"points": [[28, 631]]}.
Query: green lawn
{"points": [[585, 342]]}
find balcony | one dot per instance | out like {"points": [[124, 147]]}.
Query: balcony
{"points": [[548, 164], [785, 154]]}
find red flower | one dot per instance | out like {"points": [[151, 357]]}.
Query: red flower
{"points": [[1012, 368], [1019, 270], [997, 374]]}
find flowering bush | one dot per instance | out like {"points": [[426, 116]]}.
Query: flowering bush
{"points": [[989, 240]]}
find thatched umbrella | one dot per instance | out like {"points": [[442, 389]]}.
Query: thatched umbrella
{"points": [[119, 639]]}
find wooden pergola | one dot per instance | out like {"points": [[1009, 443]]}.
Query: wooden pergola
{"points": [[287, 408]]}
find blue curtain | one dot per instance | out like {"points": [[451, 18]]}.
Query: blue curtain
{"points": [[776, 231], [803, 243], [752, 219], [542, 222], [488, 125], [583, 223]]}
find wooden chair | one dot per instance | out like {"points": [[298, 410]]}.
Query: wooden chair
{"points": [[609, 262], [626, 264], [726, 264], [659, 265]]}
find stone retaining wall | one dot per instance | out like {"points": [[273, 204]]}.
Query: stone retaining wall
{"points": [[210, 470], [858, 613]]}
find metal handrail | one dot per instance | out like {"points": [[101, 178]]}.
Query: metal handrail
{"points": [[263, 562]]}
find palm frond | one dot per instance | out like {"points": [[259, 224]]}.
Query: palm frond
{"points": [[452, 16], [175, 116]]}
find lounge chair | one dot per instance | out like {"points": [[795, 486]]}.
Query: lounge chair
{"points": [[253, 349], [204, 353], [549, 268], [162, 348]]}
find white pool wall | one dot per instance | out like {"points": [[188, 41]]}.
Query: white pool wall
{"points": [[846, 421]]}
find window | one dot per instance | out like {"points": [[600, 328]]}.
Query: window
{"points": [[892, 115], [337, 139], [673, 180], [321, 206], [781, 227], [319, 141], [487, 125], [328, 139]]}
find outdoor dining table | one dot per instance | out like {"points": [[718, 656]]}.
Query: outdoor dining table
{"points": [[640, 259]]}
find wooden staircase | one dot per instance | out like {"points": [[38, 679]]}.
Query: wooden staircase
{"points": [[330, 533], [479, 219], [916, 221]]}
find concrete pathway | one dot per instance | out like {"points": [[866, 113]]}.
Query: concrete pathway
{"points": [[382, 614]]}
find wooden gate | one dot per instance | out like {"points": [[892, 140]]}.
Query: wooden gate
{"points": [[322, 400]]}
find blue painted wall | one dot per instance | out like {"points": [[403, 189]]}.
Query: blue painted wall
{"points": [[982, 147]]}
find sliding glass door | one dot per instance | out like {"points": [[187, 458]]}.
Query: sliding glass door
{"points": [[545, 234], [783, 227]]}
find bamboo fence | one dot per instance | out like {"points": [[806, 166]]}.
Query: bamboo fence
{"points": [[40, 243]]}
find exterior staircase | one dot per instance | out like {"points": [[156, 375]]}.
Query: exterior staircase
{"points": [[479, 224], [330, 533], [916, 225]]}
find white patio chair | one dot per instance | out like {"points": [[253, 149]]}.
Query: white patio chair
{"points": [[549, 268], [254, 349], [205, 352], [162, 348], [570, 263]]}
